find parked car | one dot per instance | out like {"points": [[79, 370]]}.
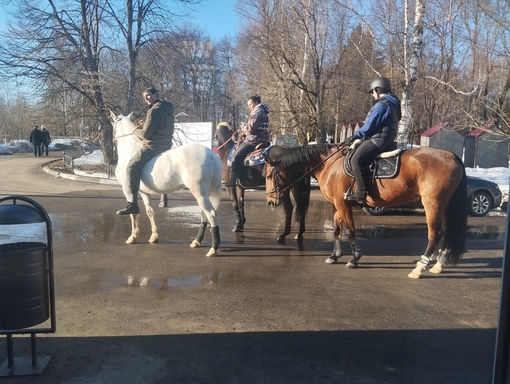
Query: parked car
{"points": [[483, 195]]}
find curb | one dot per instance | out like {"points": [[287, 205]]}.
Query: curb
{"points": [[63, 175]]}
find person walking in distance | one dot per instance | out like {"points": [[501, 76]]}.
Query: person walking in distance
{"points": [[46, 139], [36, 140], [156, 136]]}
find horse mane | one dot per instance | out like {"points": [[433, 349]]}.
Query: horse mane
{"points": [[223, 134], [303, 154]]}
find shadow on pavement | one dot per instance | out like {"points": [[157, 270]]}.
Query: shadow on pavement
{"points": [[404, 356]]}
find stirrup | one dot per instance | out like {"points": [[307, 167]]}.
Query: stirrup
{"points": [[356, 196]]}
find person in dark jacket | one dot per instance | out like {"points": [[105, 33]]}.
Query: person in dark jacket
{"points": [[377, 133], [156, 136], [46, 139], [36, 140], [255, 131]]}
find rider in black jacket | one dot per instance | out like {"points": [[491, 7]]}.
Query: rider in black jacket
{"points": [[377, 133]]}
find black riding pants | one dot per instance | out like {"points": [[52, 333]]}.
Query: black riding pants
{"points": [[362, 156], [240, 155]]}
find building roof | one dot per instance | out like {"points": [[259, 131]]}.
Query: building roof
{"points": [[436, 128], [480, 131]]}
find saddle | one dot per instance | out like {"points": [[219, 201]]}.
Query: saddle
{"points": [[253, 158], [386, 165]]}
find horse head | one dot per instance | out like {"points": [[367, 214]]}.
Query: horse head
{"points": [[276, 181], [122, 125], [224, 133]]}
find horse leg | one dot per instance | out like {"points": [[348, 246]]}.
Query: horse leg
{"points": [[200, 235], [152, 218], [163, 201], [351, 233], [208, 216], [356, 254], [135, 230], [239, 227], [337, 246], [287, 208], [433, 217], [240, 201]]}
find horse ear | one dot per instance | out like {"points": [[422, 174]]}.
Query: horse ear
{"points": [[112, 115], [131, 116]]}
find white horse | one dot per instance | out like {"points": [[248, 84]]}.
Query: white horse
{"points": [[193, 166]]}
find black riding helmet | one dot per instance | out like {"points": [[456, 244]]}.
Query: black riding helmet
{"points": [[381, 85]]}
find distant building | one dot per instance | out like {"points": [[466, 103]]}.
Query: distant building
{"points": [[346, 131], [486, 147], [190, 129], [445, 137]]}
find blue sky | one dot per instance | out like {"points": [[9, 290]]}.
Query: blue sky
{"points": [[217, 17]]}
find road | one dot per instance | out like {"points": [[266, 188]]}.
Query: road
{"points": [[260, 312]]}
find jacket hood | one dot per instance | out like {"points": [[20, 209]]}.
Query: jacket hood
{"points": [[392, 98], [263, 107], [166, 107]]}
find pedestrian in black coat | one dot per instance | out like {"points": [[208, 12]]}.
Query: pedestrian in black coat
{"points": [[36, 140], [46, 139]]}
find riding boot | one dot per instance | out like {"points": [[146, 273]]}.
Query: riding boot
{"points": [[360, 194], [131, 209]]}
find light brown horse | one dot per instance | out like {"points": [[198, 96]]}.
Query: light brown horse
{"points": [[435, 176]]}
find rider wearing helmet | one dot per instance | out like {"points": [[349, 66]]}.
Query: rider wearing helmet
{"points": [[377, 133]]}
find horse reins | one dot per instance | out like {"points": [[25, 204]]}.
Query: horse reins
{"points": [[229, 139], [339, 146], [124, 135]]}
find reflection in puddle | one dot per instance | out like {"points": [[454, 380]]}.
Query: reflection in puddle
{"points": [[489, 232], [167, 283], [187, 217]]}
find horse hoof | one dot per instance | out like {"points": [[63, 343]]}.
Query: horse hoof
{"points": [[414, 275], [130, 241], [153, 241], [351, 264], [237, 228], [437, 268], [212, 252], [194, 244], [331, 260], [280, 240], [298, 237]]}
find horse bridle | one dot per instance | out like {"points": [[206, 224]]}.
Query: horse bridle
{"points": [[124, 135]]}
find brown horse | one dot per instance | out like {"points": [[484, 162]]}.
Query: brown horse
{"points": [[254, 177], [436, 176]]}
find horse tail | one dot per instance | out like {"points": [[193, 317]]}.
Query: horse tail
{"points": [[301, 193], [455, 225], [216, 186]]}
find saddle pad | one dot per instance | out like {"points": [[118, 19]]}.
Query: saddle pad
{"points": [[252, 159], [380, 168]]}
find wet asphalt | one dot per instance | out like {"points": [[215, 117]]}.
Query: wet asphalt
{"points": [[259, 312]]}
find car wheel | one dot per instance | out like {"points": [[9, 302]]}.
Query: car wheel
{"points": [[375, 211], [479, 204]]}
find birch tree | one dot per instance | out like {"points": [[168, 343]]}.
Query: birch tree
{"points": [[294, 44]]}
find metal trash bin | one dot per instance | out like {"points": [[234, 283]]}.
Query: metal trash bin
{"points": [[23, 285], [27, 293]]}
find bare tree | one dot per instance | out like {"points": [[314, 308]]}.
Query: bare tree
{"points": [[60, 47], [289, 50]]}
